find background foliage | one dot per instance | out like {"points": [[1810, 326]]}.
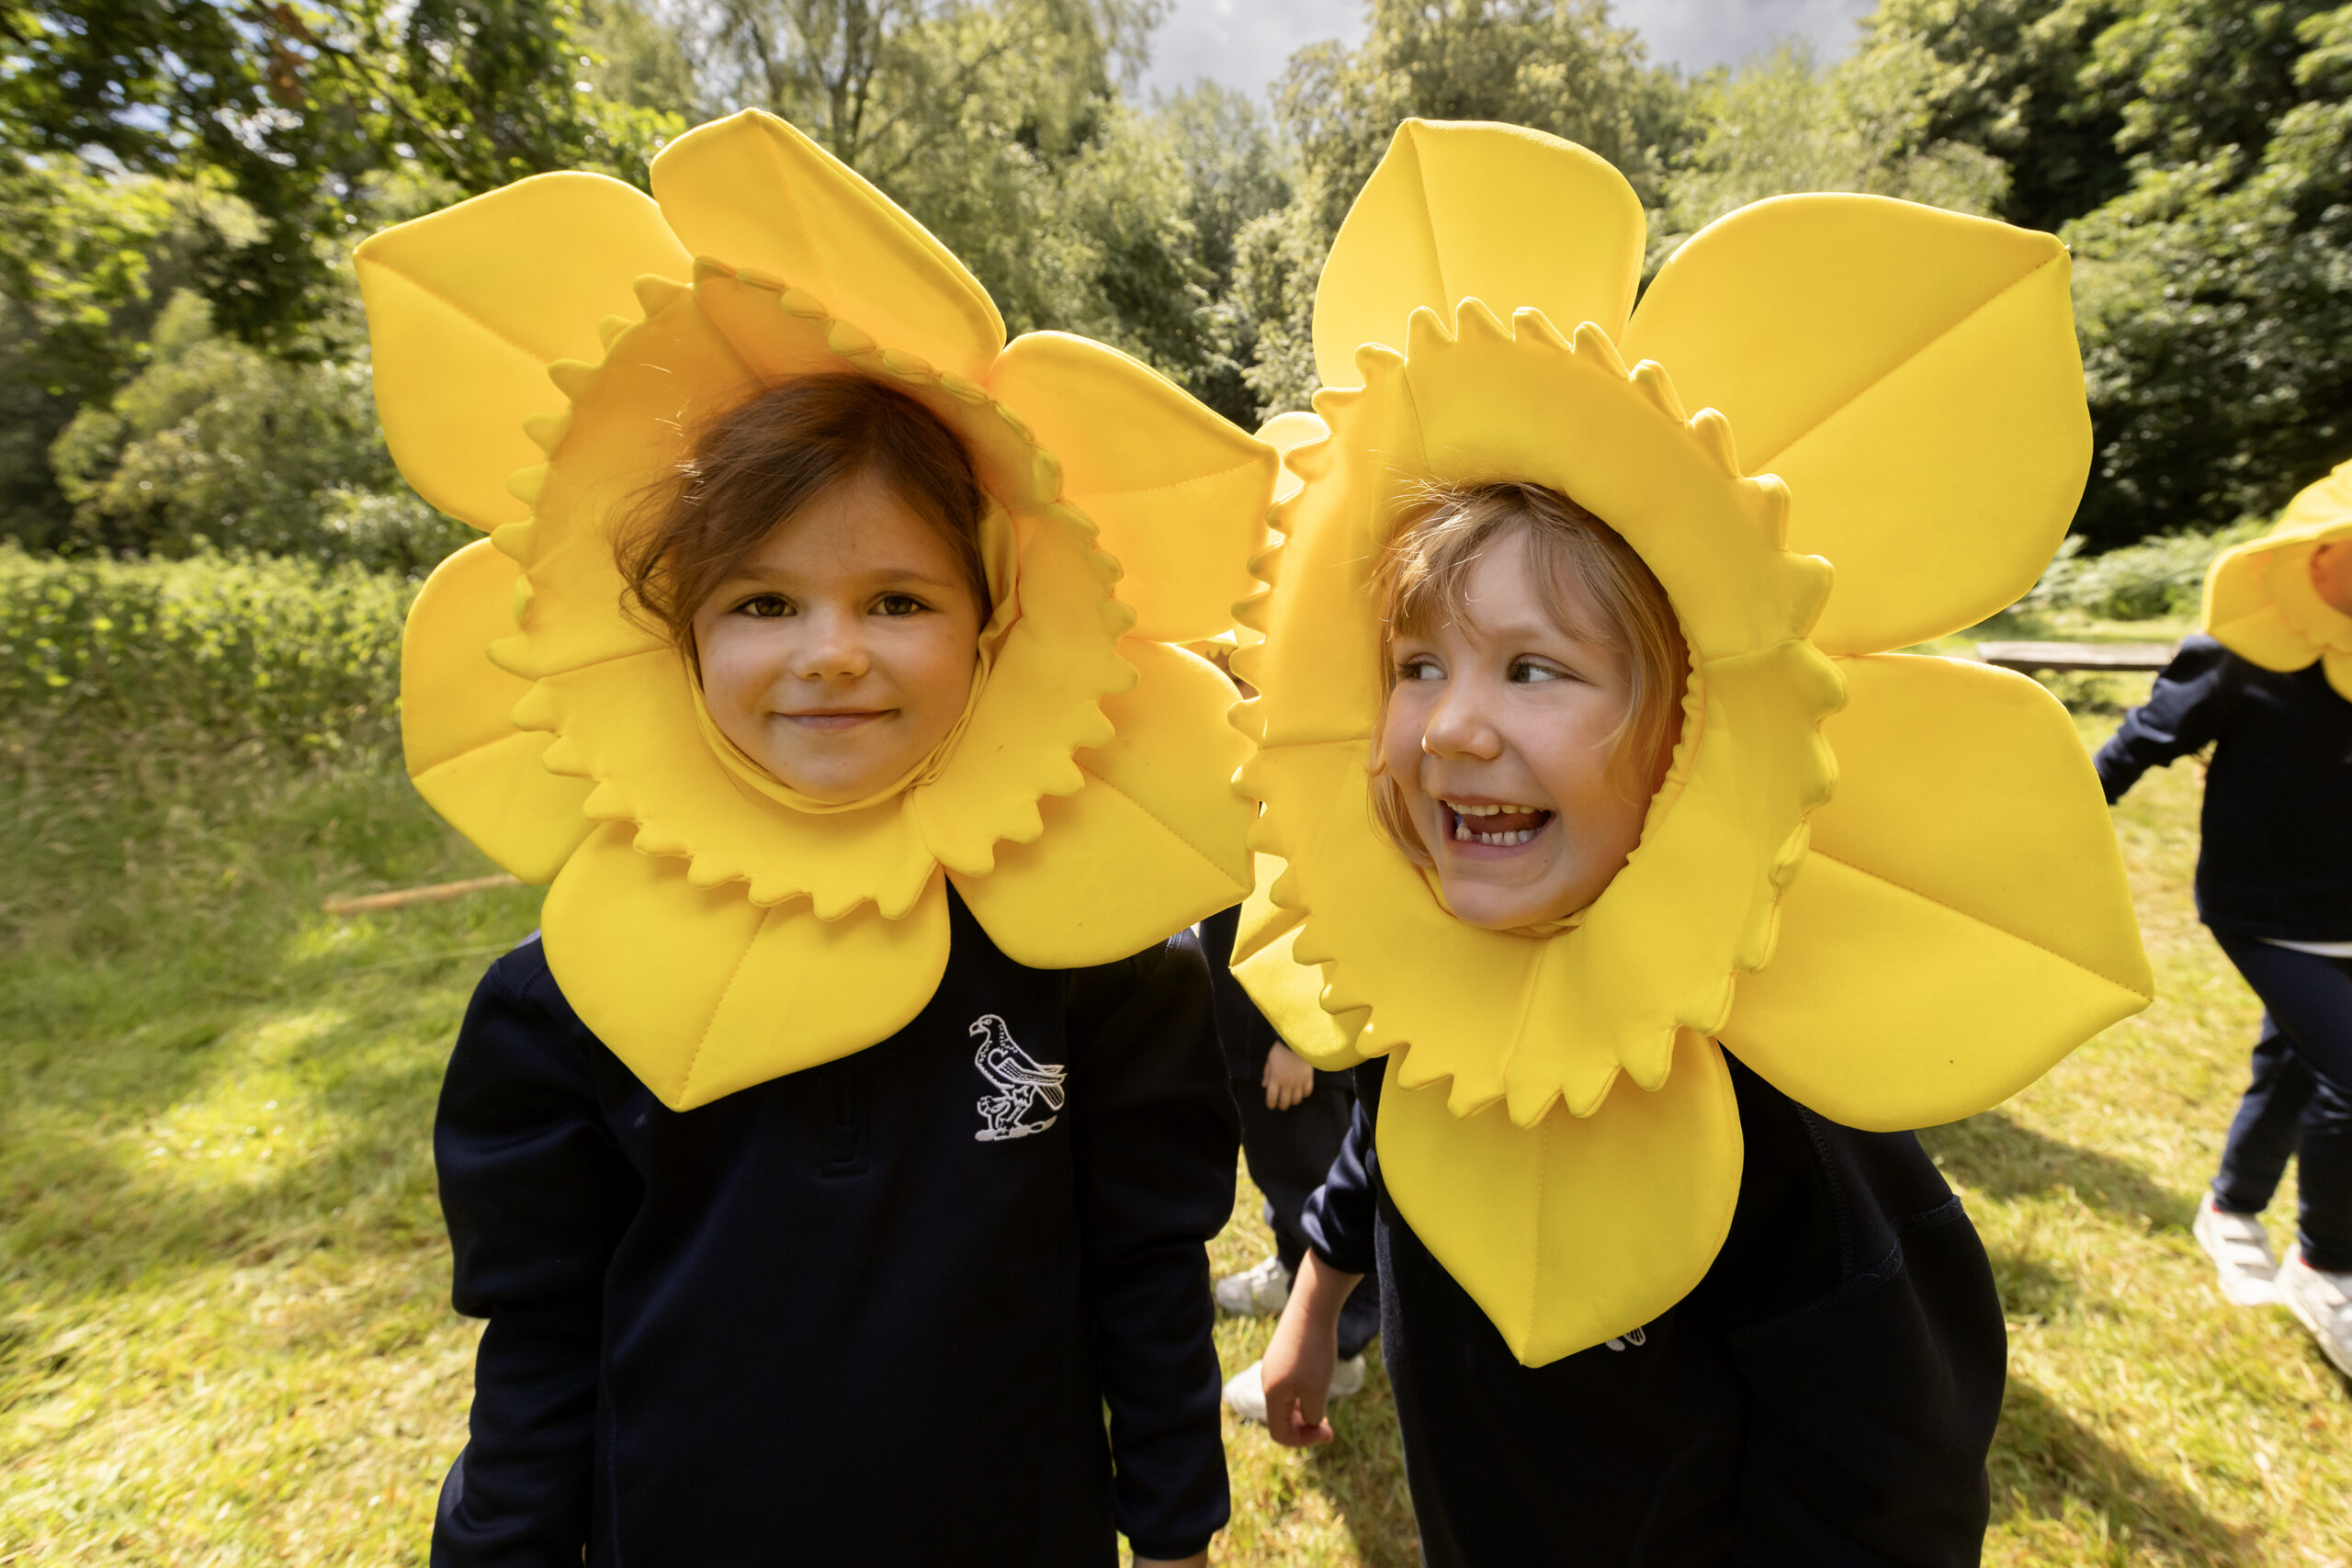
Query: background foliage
{"points": [[182, 361], [101, 658]]}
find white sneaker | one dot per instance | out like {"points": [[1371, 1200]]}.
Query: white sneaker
{"points": [[1246, 1390], [2323, 1302], [1255, 1292], [2240, 1251]]}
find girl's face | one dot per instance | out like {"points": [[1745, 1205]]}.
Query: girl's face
{"points": [[1498, 735], [841, 652]]}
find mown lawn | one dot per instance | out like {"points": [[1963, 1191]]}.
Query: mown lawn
{"points": [[224, 1336]]}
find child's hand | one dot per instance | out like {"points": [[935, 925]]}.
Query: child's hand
{"points": [[1306, 1348], [1287, 1079]]}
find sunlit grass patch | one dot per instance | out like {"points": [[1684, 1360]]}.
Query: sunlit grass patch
{"points": [[1342, 1504], [225, 1330], [2148, 1421]]}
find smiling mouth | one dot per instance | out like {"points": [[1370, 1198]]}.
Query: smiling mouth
{"points": [[1496, 825], [836, 718]]}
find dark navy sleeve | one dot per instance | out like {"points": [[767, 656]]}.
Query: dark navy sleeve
{"points": [[1337, 1218], [1156, 1140], [1241, 1029], [2187, 710], [535, 1195]]}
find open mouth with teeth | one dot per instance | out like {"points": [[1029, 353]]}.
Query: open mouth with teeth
{"points": [[1495, 825]]}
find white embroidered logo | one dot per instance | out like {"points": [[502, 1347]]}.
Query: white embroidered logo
{"points": [[1023, 1080]]}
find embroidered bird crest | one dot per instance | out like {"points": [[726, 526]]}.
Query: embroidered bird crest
{"points": [[1021, 1081]]}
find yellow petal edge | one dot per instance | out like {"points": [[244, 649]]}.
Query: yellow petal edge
{"points": [[712, 936]]}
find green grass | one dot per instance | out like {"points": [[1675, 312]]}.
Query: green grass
{"points": [[225, 1330], [224, 1334]]}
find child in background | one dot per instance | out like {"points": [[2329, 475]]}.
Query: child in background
{"points": [[1293, 1120], [1828, 1392], [2274, 885], [782, 1320]]}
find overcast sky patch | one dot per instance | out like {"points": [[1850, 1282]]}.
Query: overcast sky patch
{"points": [[1243, 43]]}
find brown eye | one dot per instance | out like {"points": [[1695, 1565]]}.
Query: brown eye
{"points": [[900, 604], [765, 606]]}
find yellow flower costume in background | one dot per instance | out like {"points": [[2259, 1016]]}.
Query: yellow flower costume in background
{"points": [[1888, 882], [2259, 602], [541, 355]]}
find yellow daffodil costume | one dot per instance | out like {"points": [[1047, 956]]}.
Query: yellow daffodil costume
{"points": [[1836, 425], [2259, 602], [541, 353]]}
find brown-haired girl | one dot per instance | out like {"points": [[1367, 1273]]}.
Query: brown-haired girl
{"points": [[836, 649], [872, 1311], [1828, 1392]]}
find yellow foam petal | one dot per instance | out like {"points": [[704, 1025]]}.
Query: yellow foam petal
{"points": [[1178, 494], [1962, 920], [464, 754], [1152, 842], [1578, 1229], [629, 724], [627, 432], [752, 192], [1287, 992], [2323, 503], [702, 992], [467, 309], [1910, 373], [2259, 600], [778, 331], [1495, 212], [2243, 616], [1286, 432], [1040, 704], [1712, 537]]}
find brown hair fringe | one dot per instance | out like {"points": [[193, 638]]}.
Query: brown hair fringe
{"points": [[754, 467]]}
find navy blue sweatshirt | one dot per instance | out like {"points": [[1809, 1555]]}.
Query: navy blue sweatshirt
{"points": [[870, 1313], [1824, 1396], [2277, 854]]}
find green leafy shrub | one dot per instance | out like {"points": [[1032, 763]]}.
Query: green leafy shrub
{"points": [[218, 442], [102, 658], [2147, 581]]}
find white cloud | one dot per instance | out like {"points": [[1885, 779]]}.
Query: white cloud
{"points": [[1696, 34], [1243, 43]]}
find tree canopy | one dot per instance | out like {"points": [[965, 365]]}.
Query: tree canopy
{"points": [[181, 357]]}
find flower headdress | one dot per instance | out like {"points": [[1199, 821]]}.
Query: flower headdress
{"points": [[541, 353], [2259, 602], [1886, 882]]}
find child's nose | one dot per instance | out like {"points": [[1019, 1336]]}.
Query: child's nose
{"points": [[1458, 726], [831, 649]]}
